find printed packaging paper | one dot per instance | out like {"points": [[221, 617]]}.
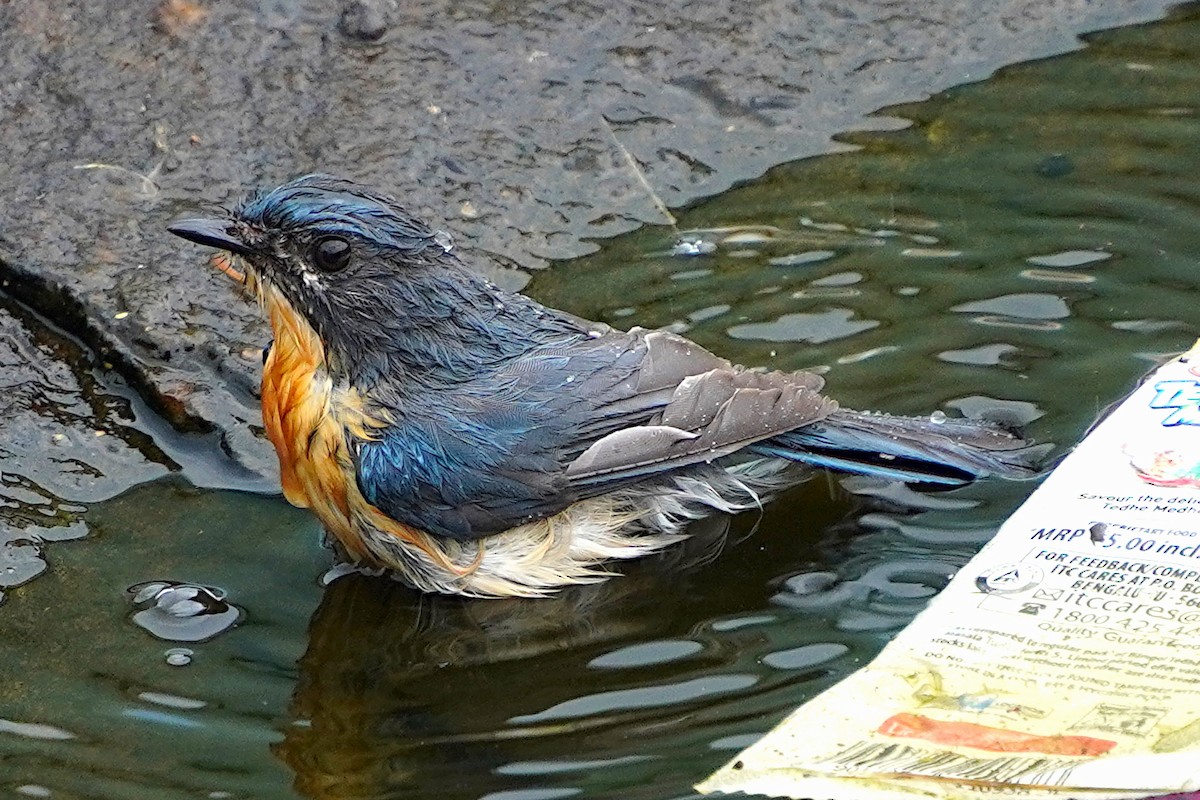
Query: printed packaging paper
{"points": [[1062, 661]]}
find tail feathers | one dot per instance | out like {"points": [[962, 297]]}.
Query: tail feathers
{"points": [[911, 449]]}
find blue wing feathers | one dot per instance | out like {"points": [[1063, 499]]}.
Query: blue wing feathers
{"points": [[478, 458], [469, 459]]}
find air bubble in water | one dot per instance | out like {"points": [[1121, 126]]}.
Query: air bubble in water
{"points": [[179, 656], [182, 612]]}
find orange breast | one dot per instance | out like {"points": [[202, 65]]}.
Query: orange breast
{"points": [[296, 402], [308, 424]]}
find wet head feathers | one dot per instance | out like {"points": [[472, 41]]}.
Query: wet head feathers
{"points": [[316, 205], [383, 290]]}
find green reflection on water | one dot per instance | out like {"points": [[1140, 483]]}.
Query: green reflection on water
{"points": [[70, 657], [1095, 151], [1030, 238]]}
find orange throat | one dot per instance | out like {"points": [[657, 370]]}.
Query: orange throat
{"points": [[307, 421], [296, 403]]}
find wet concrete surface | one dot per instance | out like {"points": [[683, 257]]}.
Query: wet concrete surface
{"points": [[65, 440], [498, 121]]}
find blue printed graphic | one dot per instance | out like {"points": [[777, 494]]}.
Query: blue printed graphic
{"points": [[1183, 397]]}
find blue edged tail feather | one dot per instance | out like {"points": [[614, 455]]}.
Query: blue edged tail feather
{"points": [[936, 450]]}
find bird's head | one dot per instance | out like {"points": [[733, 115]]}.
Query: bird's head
{"points": [[357, 267]]}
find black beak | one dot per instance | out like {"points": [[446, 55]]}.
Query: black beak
{"points": [[211, 232]]}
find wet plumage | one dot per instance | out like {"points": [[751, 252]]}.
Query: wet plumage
{"points": [[476, 442]]}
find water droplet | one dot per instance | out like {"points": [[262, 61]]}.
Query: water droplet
{"points": [[183, 608], [182, 612], [178, 656], [937, 417], [692, 247], [147, 591]]}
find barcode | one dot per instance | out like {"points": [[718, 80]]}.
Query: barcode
{"points": [[903, 759]]}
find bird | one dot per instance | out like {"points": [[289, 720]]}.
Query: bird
{"points": [[472, 441]]}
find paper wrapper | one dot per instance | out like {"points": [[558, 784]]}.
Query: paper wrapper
{"points": [[1062, 661]]}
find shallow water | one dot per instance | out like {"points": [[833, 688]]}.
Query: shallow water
{"points": [[1026, 250]]}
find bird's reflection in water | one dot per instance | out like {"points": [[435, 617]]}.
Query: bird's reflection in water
{"points": [[410, 695]]}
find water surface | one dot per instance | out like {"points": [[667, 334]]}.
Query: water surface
{"points": [[1026, 249]]}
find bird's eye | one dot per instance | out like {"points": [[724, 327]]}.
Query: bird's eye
{"points": [[331, 254]]}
